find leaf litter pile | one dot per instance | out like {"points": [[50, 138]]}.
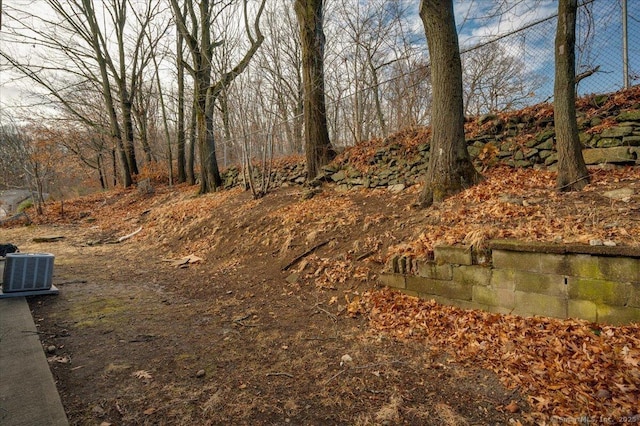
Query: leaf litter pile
{"points": [[522, 204], [568, 369]]}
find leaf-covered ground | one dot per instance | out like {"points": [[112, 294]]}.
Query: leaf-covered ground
{"points": [[523, 204], [568, 369], [282, 288]]}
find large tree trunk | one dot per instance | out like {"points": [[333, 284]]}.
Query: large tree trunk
{"points": [[317, 144], [181, 136], [450, 167], [298, 123], [572, 171], [210, 178], [226, 126], [127, 119], [101, 177], [208, 150], [114, 170], [125, 172], [126, 103], [191, 151]]}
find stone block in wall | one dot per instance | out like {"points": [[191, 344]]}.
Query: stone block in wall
{"points": [[473, 151], [617, 132], [634, 295], [582, 309], [528, 304], [633, 115], [630, 123], [585, 138], [530, 261], [462, 304], [500, 310], [331, 168], [428, 286], [457, 255], [534, 282], [402, 265], [411, 293], [497, 297], [433, 270], [503, 278], [617, 154], [618, 315], [623, 269], [553, 158], [472, 275], [530, 143], [545, 135], [608, 142], [393, 280], [598, 291], [339, 176], [632, 140], [544, 154], [546, 145]]}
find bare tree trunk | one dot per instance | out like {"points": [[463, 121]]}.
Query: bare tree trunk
{"points": [[572, 171], [191, 151], [128, 141], [201, 46], [101, 177], [450, 167], [317, 144], [126, 103], [298, 112], [144, 140], [141, 116], [210, 179], [180, 137], [115, 167], [298, 121], [376, 95], [116, 134], [226, 124]]}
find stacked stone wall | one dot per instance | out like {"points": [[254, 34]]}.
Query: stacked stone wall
{"points": [[611, 138]]}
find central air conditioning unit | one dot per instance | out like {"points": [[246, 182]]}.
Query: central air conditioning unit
{"points": [[28, 272]]}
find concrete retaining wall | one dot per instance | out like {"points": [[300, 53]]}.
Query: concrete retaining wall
{"points": [[598, 284]]}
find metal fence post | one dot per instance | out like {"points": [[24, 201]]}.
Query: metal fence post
{"points": [[625, 47]]}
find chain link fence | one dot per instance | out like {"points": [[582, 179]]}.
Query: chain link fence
{"points": [[523, 71], [506, 70]]}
